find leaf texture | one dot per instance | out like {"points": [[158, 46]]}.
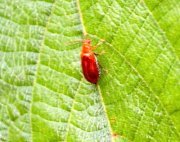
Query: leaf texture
{"points": [[167, 13], [43, 94]]}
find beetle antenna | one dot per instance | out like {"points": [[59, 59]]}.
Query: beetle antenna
{"points": [[74, 42]]}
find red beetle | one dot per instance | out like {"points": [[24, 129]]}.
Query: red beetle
{"points": [[90, 66]]}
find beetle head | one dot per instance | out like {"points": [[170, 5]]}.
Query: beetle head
{"points": [[86, 47], [87, 41]]}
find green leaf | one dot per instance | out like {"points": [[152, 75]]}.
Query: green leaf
{"points": [[43, 94], [167, 15]]}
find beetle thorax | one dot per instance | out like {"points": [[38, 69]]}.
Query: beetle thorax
{"points": [[86, 47]]}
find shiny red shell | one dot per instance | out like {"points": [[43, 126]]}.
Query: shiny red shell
{"points": [[89, 63]]}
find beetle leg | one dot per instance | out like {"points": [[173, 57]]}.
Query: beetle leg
{"points": [[98, 44], [103, 69], [101, 53]]}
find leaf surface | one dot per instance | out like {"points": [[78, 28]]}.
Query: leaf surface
{"points": [[44, 96], [167, 13]]}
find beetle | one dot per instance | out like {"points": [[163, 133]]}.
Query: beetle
{"points": [[89, 63]]}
